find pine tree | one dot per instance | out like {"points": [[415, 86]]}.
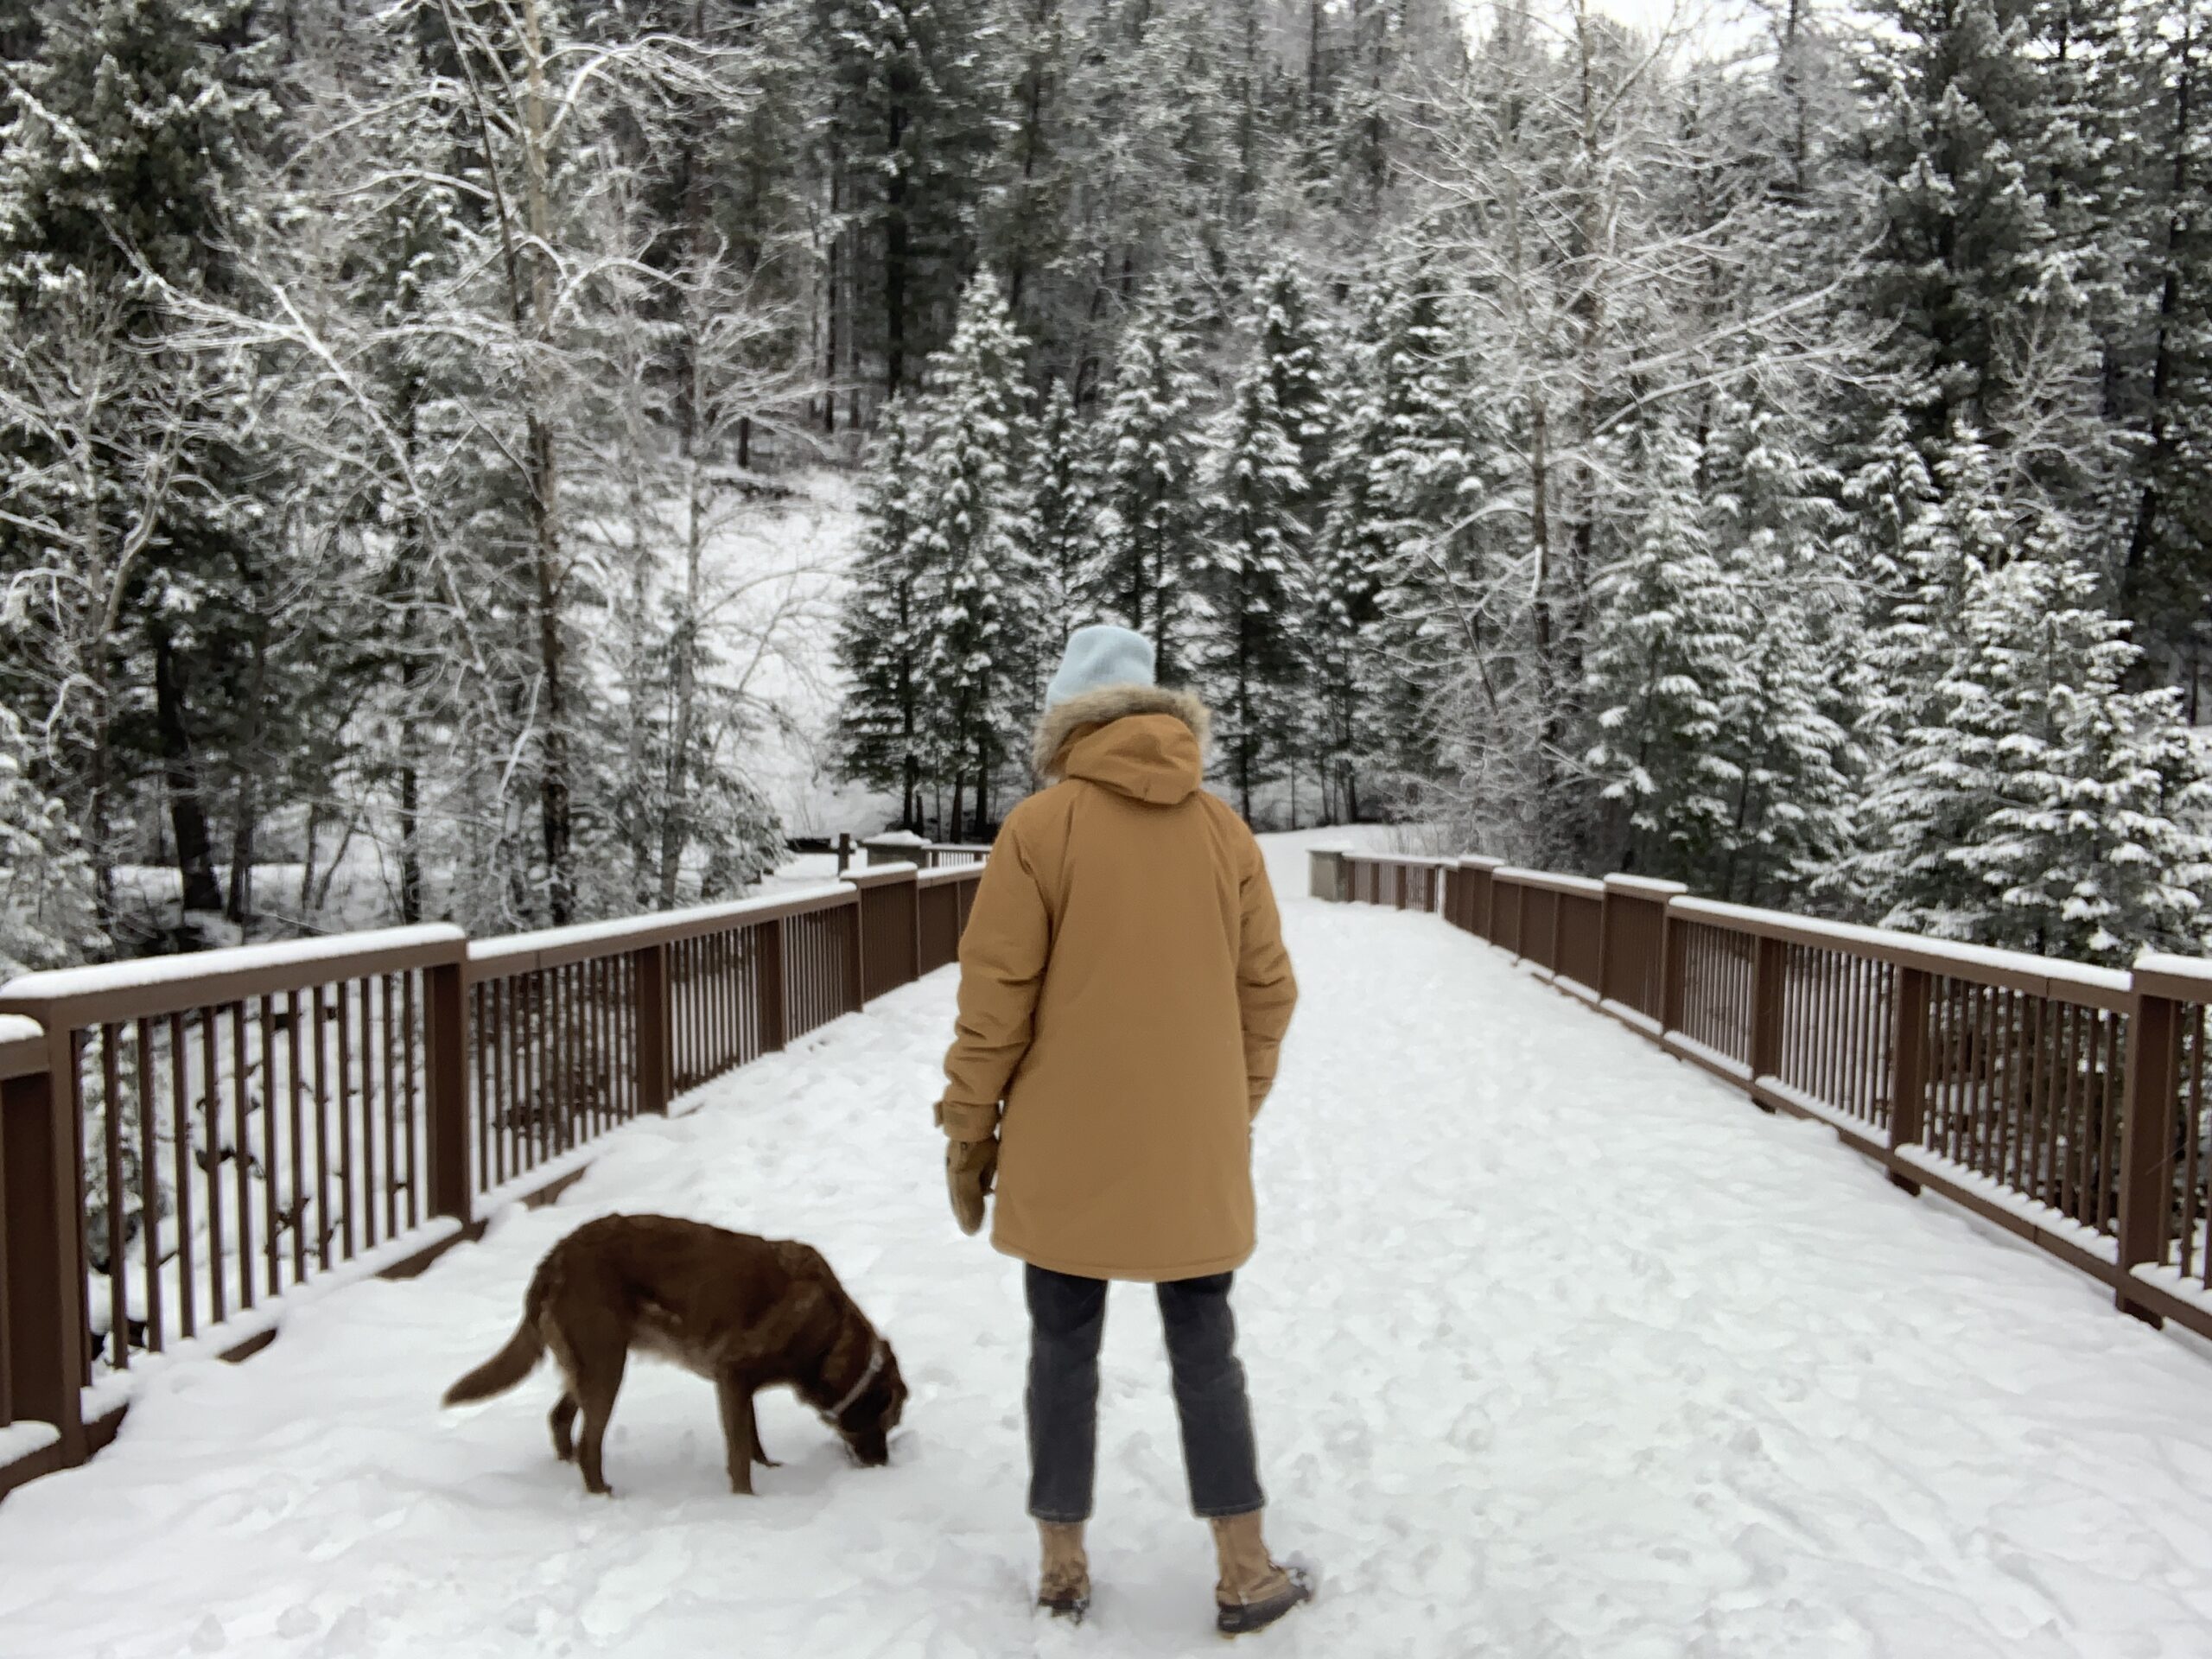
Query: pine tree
{"points": [[129, 126], [1058, 525], [1667, 648], [882, 635], [1151, 522], [1990, 315], [48, 913], [1427, 436], [2022, 794], [978, 671], [1778, 536], [1250, 655], [1298, 387], [909, 122], [2076, 781]]}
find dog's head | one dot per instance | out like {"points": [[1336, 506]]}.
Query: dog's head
{"points": [[868, 1419]]}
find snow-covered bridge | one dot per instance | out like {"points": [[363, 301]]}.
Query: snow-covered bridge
{"points": [[1557, 1349]]}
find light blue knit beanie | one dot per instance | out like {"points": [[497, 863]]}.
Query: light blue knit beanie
{"points": [[1102, 655]]}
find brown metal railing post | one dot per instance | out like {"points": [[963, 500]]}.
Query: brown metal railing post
{"points": [[914, 923], [445, 1034], [43, 1295], [654, 1029], [1326, 876], [1767, 966], [2147, 1139], [855, 954], [1674, 971], [1609, 945], [1481, 891], [774, 1010], [1908, 1068]]}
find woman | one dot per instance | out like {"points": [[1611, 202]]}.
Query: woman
{"points": [[1124, 991]]}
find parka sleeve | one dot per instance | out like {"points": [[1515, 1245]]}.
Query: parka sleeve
{"points": [[1002, 956], [1267, 991]]}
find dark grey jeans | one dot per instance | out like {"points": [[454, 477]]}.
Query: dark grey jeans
{"points": [[1067, 1316]]}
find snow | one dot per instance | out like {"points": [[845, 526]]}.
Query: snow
{"points": [[19, 1440], [15, 1028], [2189, 974], [2056, 1222], [1834, 1116], [113, 1388], [2190, 1289], [1544, 881], [1690, 1049], [1644, 886], [1557, 1350], [152, 971]]}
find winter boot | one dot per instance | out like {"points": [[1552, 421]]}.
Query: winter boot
{"points": [[1253, 1592], [1064, 1580]]}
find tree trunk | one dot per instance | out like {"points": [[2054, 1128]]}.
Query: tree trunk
{"points": [[896, 257], [244, 830], [410, 845], [542, 461], [196, 854]]}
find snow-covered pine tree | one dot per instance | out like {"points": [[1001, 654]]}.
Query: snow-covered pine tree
{"points": [[1297, 368], [1667, 647], [1249, 656], [1923, 535], [2083, 800], [1424, 437], [1057, 527], [908, 93], [49, 914], [125, 128], [978, 671], [1150, 530], [1789, 716], [882, 634], [2023, 793], [1353, 554]]}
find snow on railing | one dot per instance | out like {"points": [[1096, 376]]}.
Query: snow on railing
{"points": [[2062, 1101], [219, 1133]]}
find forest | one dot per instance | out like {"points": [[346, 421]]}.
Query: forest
{"points": [[1764, 455]]}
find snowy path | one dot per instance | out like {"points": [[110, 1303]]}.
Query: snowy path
{"points": [[1558, 1348]]}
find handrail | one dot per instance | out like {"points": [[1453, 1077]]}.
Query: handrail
{"points": [[265, 1115], [2062, 1100], [948, 874], [160, 985], [1579, 886], [22, 1047], [551, 947], [2076, 982]]}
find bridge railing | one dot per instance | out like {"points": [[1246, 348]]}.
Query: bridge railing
{"points": [[897, 848], [186, 1141], [2063, 1101]]}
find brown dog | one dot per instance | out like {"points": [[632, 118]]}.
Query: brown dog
{"points": [[749, 1314]]}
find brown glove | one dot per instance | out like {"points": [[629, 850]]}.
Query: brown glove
{"points": [[970, 1168]]}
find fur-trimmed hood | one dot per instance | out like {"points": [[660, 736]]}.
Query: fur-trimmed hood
{"points": [[1152, 761]]}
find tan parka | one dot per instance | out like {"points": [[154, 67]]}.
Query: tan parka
{"points": [[1124, 991]]}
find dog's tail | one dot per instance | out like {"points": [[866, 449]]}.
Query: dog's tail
{"points": [[514, 1362]]}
